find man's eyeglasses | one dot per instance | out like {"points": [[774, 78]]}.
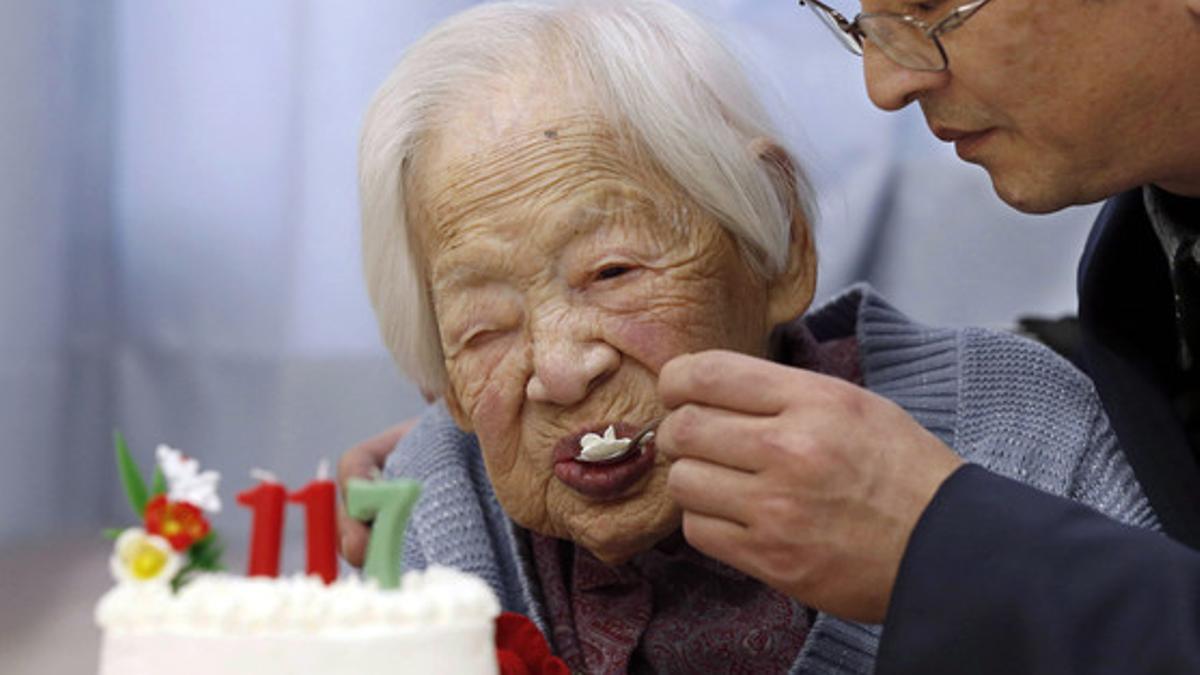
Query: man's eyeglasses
{"points": [[907, 40]]}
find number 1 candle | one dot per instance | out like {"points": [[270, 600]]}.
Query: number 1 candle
{"points": [[266, 530], [319, 498], [389, 503]]}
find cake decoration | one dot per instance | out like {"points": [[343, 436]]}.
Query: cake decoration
{"points": [[165, 614], [267, 502], [185, 482], [389, 503], [175, 540], [318, 497]]}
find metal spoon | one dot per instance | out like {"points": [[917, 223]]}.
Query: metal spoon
{"points": [[639, 439], [646, 434]]}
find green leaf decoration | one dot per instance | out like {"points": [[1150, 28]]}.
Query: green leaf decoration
{"points": [[203, 556], [113, 532], [131, 478], [159, 485], [182, 578]]}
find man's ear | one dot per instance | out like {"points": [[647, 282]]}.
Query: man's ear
{"points": [[456, 410], [791, 291], [1193, 7]]}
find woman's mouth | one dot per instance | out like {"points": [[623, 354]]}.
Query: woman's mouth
{"points": [[609, 478]]}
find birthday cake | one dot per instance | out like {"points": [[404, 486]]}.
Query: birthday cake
{"points": [[439, 620], [174, 611]]}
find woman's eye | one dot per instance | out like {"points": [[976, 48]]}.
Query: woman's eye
{"points": [[480, 338], [612, 272]]}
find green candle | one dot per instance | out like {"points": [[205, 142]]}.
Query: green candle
{"points": [[388, 503]]}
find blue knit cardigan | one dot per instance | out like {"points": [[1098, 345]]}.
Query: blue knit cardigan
{"points": [[1000, 401]]}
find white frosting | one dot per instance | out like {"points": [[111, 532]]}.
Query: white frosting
{"points": [[229, 624], [597, 448], [234, 605]]}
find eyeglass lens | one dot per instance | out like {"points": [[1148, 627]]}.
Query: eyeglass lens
{"points": [[902, 41]]}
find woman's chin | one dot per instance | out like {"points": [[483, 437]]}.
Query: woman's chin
{"points": [[618, 556], [619, 549]]}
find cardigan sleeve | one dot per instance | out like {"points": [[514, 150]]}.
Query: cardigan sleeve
{"points": [[1102, 477], [999, 577]]}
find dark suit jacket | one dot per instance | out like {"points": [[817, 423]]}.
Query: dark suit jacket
{"points": [[1001, 578]]}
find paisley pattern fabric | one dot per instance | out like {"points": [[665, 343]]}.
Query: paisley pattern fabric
{"points": [[669, 610]]}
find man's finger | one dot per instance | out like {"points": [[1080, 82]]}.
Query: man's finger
{"points": [[713, 435], [718, 538], [354, 536], [730, 380], [711, 490]]}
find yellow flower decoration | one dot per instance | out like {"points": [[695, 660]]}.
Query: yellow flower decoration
{"points": [[140, 557]]}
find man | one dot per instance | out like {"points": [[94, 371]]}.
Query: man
{"points": [[1062, 102]]}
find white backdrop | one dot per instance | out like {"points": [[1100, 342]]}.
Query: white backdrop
{"points": [[179, 245]]}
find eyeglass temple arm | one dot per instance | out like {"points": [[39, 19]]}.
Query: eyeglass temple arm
{"points": [[843, 23], [959, 15]]}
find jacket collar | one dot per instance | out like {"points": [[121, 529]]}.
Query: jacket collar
{"points": [[1128, 342]]}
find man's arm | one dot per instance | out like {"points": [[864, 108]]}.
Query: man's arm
{"points": [[1047, 586]]}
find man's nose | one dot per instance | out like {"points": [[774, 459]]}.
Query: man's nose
{"points": [[892, 86], [565, 370]]}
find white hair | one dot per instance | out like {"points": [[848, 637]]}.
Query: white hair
{"points": [[654, 69]]}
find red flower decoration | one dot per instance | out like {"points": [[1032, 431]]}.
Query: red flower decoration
{"points": [[521, 649], [180, 523]]}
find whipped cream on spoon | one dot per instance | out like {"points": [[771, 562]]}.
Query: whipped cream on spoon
{"points": [[596, 448]]}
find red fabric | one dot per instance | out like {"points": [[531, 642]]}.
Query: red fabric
{"points": [[521, 649]]}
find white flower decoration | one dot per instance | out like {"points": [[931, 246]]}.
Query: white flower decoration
{"points": [[143, 558], [185, 481]]}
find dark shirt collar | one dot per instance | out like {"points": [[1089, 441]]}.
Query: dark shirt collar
{"points": [[1176, 223], [1174, 218]]}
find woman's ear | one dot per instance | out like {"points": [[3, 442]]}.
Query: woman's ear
{"points": [[791, 291]]}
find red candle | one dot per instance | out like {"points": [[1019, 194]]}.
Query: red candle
{"points": [[266, 531], [320, 524]]}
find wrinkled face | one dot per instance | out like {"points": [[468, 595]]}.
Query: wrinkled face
{"points": [[1062, 101], [564, 274]]}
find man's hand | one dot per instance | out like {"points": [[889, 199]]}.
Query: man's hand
{"points": [[360, 462], [804, 481]]}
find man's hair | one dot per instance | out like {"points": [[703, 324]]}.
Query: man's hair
{"points": [[654, 71]]}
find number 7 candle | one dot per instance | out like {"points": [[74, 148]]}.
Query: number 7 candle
{"points": [[389, 503]]}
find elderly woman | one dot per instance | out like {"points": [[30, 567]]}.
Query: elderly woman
{"points": [[557, 200]]}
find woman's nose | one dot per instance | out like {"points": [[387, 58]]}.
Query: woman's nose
{"points": [[891, 86], [566, 370]]}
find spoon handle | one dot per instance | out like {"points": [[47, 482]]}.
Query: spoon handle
{"points": [[645, 434]]}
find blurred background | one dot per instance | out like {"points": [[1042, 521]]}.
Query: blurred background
{"points": [[179, 252]]}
